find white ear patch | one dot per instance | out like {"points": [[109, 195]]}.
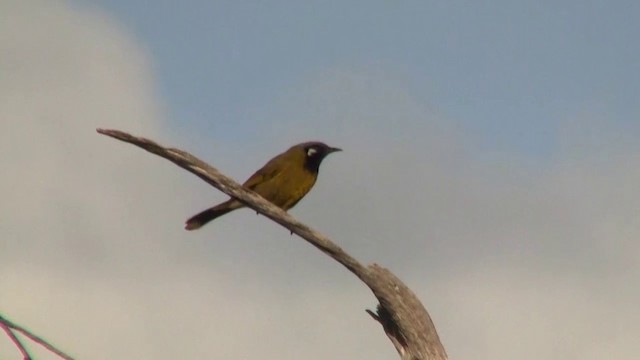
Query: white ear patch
{"points": [[311, 151]]}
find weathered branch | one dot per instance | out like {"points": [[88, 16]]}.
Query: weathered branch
{"points": [[14, 339], [402, 316], [10, 328]]}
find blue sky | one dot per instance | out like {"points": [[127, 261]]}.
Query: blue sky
{"points": [[509, 72]]}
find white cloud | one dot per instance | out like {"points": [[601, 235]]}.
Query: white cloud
{"points": [[93, 256], [528, 313]]}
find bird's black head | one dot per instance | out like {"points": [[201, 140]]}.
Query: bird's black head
{"points": [[314, 153]]}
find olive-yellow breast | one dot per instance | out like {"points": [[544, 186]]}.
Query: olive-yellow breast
{"points": [[284, 181]]}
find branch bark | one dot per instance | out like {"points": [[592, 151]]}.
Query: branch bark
{"points": [[10, 328], [400, 312]]}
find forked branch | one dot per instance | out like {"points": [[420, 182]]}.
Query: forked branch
{"points": [[402, 316], [11, 328]]}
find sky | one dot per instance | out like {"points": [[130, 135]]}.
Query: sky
{"points": [[490, 160]]}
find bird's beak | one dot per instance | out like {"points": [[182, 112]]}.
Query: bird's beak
{"points": [[332, 149]]}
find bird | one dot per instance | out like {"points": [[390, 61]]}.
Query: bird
{"points": [[283, 180]]}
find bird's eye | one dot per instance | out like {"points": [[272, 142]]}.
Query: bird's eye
{"points": [[311, 151]]}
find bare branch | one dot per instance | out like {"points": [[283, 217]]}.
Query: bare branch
{"points": [[16, 341], [402, 316], [10, 327]]}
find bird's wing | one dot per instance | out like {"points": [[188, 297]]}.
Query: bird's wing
{"points": [[274, 168]]}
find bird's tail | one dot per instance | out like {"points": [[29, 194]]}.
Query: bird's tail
{"points": [[199, 220]]}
